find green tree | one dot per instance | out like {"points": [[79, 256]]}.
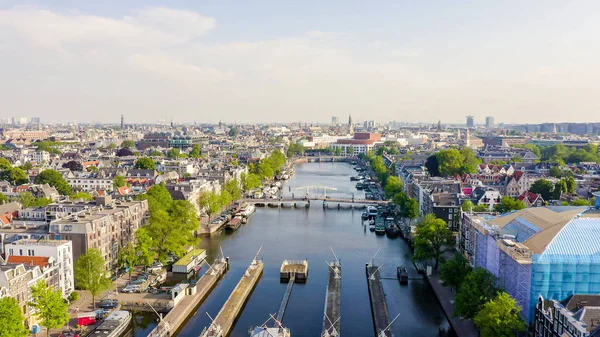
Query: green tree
{"points": [[90, 273], [156, 153], [393, 186], [128, 257], [410, 209], [467, 206], [432, 239], [210, 201], [173, 153], [250, 181], [559, 188], [478, 287], [233, 188], [500, 317], [543, 187], [27, 166], [571, 184], [3, 199], [143, 247], [26, 199], [233, 132], [450, 161], [338, 151], [128, 144], [517, 159], [49, 306], [195, 152], [350, 150], [11, 319], [172, 230], [55, 179], [145, 163], [4, 164], [454, 271], [509, 204], [14, 175], [470, 162], [92, 168], [481, 208], [119, 181], [81, 195], [556, 172], [432, 165], [580, 202]]}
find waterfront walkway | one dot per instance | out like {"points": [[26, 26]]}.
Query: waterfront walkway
{"points": [[463, 328]]}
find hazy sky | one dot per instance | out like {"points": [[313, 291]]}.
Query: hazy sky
{"points": [[250, 61]]}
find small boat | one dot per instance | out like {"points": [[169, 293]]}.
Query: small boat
{"points": [[354, 178], [364, 215], [372, 227], [379, 228], [402, 275], [372, 210], [234, 224], [392, 230], [372, 222], [359, 186]]}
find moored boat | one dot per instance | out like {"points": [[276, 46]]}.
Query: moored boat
{"points": [[113, 325], [234, 224], [402, 275]]}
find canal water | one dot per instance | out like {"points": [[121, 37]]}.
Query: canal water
{"points": [[299, 233]]}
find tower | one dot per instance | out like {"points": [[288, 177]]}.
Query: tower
{"points": [[489, 122], [350, 125], [470, 121], [439, 125], [467, 138], [458, 135], [122, 122]]}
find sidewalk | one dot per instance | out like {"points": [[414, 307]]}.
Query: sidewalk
{"points": [[463, 328]]}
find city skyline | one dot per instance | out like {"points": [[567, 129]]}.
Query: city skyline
{"points": [[278, 61]]}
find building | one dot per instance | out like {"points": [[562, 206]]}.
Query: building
{"points": [[61, 251], [470, 121], [541, 251], [361, 143], [575, 316], [334, 121], [350, 125], [15, 278], [504, 141], [90, 184], [155, 139], [489, 122], [108, 226]]}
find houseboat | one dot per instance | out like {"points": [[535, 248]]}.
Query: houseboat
{"points": [[402, 275], [234, 224], [187, 263], [114, 325]]}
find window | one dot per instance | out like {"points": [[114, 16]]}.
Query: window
{"points": [[21, 252], [10, 252], [30, 252]]}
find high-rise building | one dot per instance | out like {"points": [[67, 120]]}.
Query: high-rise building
{"points": [[470, 121], [350, 125], [489, 122], [334, 121], [122, 122]]}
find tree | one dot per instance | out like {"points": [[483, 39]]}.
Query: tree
{"points": [[470, 162], [73, 166], [338, 151], [143, 247], [49, 306], [3, 199], [156, 153], [450, 161], [124, 152], [432, 239], [91, 274], [454, 271], [432, 165], [517, 159], [481, 208], [81, 195], [500, 317], [172, 230], [233, 188], [580, 202], [173, 153], [350, 150], [5, 164], [119, 181], [410, 209], [128, 257], [145, 163], [250, 181], [559, 188], [543, 187], [128, 144], [195, 153], [210, 201], [233, 132], [14, 175], [92, 168], [478, 287], [556, 172], [27, 166], [509, 204], [11, 318], [571, 184], [55, 179], [392, 187], [467, 206]]}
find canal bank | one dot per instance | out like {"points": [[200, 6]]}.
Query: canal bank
{"points": [[298, 234]]}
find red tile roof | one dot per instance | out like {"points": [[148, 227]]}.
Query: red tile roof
{"points": [[41, 261]]}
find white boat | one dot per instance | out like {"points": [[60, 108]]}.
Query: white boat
{"points": [[113, 325], [278, 330], [248, 210]]}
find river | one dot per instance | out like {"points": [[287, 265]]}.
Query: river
{"points": [[298, 234]]}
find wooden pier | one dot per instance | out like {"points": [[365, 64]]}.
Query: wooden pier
{"points": [[331, 319], [381, 319], [174, 320], [286, 299], [294, 269], [223, 323]]}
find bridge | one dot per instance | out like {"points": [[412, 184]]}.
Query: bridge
{"points": [[304, 202], [322, 159]]}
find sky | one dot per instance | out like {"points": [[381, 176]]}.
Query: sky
{"points": [[289, 61]]}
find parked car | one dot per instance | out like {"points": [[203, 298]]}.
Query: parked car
{"points": [[131, 288], [101, 313], [156, 266], [69, 334], [109, 304]]}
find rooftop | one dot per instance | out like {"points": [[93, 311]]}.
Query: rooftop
{"points": [[29, 242], [187, 258]]}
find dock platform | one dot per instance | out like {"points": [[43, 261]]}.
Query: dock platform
{"points": [[174, 320], [379, 310], [223, 323], [296, 269], [286, 299], [331, 319]]}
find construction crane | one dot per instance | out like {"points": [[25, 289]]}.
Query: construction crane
{"points": [[317, 187]]}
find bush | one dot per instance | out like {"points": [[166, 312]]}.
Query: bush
{"points": [[74, 296]]}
